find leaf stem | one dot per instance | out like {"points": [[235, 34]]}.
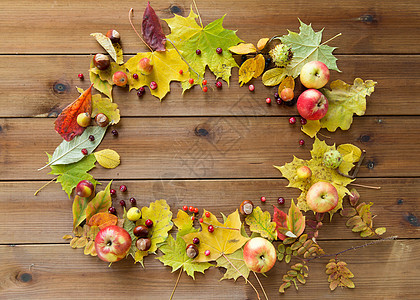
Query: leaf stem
{"points": [[198, 13], [259, 282], [130, 14], [180, 55], [215, 226], [176, 284], [355, 248], [44, 185], [336, 36], [246, 280]]}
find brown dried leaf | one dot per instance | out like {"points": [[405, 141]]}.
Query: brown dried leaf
{"points": [[347, 282], [359, 227], [333, 285], [80, 243], [367, 232], [301, 251], [88, 248], [356, 220], [348, 212], [262, 43], [284, 286], [151, 30], [73, 242], [354, 197]]}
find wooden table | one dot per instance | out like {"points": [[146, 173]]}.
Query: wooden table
{"points": [[211, 150]]}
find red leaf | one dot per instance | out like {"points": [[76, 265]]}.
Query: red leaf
{"points": [[66, 123], [295, 220], [280, 218], [152, 30]]}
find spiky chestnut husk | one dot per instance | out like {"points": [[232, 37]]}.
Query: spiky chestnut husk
{"points": [[332, 159], [281, 55]]}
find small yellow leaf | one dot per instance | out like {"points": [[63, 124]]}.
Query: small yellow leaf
{"points": [[88, 248], [311, 127], [107, 158], [261, 43], [259, 65], [243, 48], [380, 230], [346, 149], [81, 242], [73, 242], [246, 71], [106, 43], [118, 50], [288, 82], [273, 76], [67, 236]]}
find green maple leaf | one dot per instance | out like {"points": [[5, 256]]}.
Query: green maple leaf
{"points": [[237, 259], [306, 47], [260, 222], [319, 173], [188, 36], [70, 175]]}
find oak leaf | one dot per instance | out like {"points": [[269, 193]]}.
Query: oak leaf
{"points": [[66, 123], [188, 36]]}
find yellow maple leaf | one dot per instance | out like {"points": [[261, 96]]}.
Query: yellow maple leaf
{"points": [[166, 67]]}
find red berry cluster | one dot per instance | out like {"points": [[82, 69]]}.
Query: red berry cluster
{"points": [[191, 209]]}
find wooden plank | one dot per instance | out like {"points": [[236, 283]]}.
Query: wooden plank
{"points": [[44, 91], [384, 271], [215, 147], [367, 27], [47, 217]]}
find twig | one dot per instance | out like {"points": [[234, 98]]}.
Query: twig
{"points": [[198, 13], [246, 280], [259, 282], [366, 186], [44, 185], [180, 55], [354, 248], [130, 13], [176, 284]]}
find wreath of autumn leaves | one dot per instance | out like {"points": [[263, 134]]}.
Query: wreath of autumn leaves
{"points": [[176, 58]]}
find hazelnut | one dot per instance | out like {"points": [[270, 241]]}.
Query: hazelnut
{"points": [[141, 231], [143, 244], [101, 120], [113, 35], [192, 251], [246, 207], [101, 61]]}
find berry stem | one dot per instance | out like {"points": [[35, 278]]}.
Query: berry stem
{"points": [[246, 280], [176, 284], [259, 282], [198, 13], [45, 185], [130, 14]]}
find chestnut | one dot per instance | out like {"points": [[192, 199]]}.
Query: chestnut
{"points": [[141, 231], [192, 251], [101, 61], [246, 207], [113, 35], [102, 120], [143, 244]]}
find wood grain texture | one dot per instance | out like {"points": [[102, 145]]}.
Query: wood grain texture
{"points": [[57, 271], [367, 27], [47, 84], [215, 147], [46, 218]]}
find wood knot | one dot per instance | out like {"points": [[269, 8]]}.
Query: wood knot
{"points": [[364, 138], [176, 10], [24, 277], [400, 201], [370, 165], [201, 130], [1, 128], [412, 219], [61, 87], [368, 19]]}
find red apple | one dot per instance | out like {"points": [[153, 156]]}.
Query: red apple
{"points": [[314, 75], [322, 197], [304, 172], [145, 67], [84, 188], [259, 255], [112, 243], [312, 105]]}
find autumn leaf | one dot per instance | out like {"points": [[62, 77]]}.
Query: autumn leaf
{"points": [[102, 86], [175, 256], [106, 43], [260, 222], [306, 47], [243, 48], [71, 174], [344, 100], [129, 226], [79, 210], [66, 123], [120, 54], [166, 66], [319, 173], [100, 203], [287, 82], [295, 220], [280, 218], [188, 36], [103, 219], [237, 260], [107, 158], [152, 30], [311, 127], [184, 223], [106, 75], [273, 77], [70, 152], [225, 239], [105, 106]]}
